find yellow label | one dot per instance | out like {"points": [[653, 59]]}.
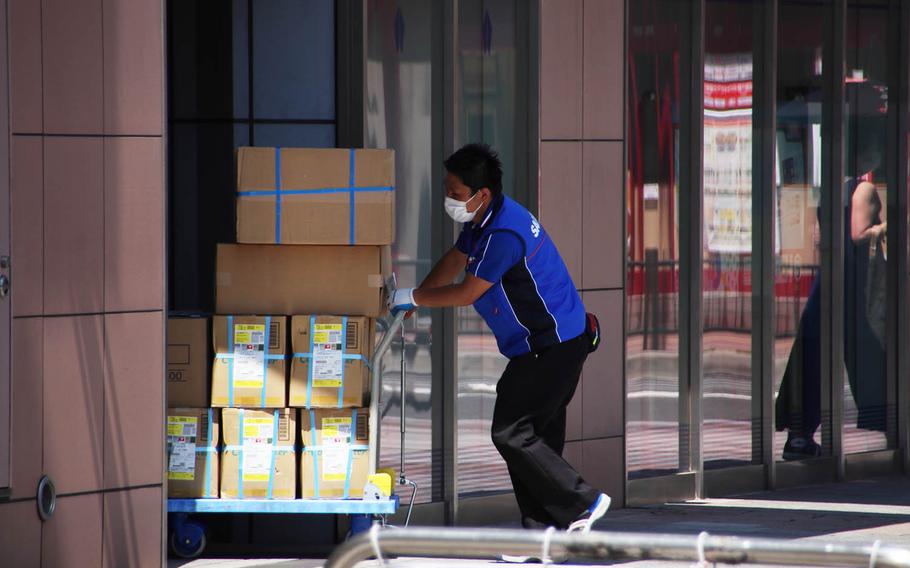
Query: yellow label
{"points": [[327, 383], [255, 476], [257, 428], [249, 334], [176, 425], [333, 429], [180, 476], [327, 333]]}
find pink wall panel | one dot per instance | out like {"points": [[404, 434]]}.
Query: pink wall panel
{"points": [[560, 69], [73, 400], [560, 200], [72, 66], [603, 467], [20, 534], [72, 537], [134, 224], [25, 65], [27, 223], [132, 528], [133, 399], [603, 236], [603, 69], [27, 403], [133, 66], [73, 225], [602, 405]]}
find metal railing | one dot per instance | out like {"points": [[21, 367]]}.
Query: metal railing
{"points": [[439, 542]]}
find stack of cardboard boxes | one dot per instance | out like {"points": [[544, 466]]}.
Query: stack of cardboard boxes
{"points": [[294, 334]]}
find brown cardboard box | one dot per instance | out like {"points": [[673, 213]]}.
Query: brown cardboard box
{"points": [[248, 370], [294, 279], [268, 451], [192, 452], [341, 358], [316, 189], [188, 362], [332, 462]]}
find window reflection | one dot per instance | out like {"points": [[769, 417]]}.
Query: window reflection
{"points": [[865, 232], [802, 29], [659, 38], [728, 426]]}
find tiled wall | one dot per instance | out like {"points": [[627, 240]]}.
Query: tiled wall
{"points": [[582, 97], [87, 191]]}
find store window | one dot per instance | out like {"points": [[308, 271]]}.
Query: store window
{"points": [[659, 99]]}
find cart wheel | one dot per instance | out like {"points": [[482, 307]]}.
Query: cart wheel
{"points": [[188, 540], [360, 523]]}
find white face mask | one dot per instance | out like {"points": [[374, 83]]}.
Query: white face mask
{"points": [[458, 210]]}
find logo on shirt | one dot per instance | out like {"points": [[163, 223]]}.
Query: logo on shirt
{"points": [[535, 227]]}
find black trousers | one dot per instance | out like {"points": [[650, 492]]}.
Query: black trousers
{"points": [[529, 430]]}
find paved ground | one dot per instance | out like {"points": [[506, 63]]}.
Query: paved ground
{"points": [[860, 512]]}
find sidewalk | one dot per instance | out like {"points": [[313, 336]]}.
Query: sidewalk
{"points": [[860, 511]]}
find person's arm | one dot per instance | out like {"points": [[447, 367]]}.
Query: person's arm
{"points": [[863, 213], [464, 293], [446, 270]]}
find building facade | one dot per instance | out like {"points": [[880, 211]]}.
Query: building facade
{"points": [[716, 175]]}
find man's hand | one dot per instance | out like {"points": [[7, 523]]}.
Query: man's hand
{"points": [[401, 300]]}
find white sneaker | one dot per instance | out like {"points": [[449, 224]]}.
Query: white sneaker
{"points": [[589, 517]]}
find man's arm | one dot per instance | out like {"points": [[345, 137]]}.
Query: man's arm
{"points": [[462, 294], [446, 270]]}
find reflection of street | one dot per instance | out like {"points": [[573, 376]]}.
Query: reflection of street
{"points": [[479, 466], [653, 399]]}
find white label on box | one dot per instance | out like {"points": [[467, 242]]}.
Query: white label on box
{"points": [[327, 360], [257, 448], [335, 462], [181, 441], [249, 355]]}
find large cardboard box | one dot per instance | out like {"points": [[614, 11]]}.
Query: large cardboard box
{"points": [[294, 279], [192, 452], [250, 368], [334, 463], [188, 362], [258, 460], [315, 196], [330, 365]]}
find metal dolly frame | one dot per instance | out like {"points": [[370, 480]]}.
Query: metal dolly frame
{"points": [[187, 536]]}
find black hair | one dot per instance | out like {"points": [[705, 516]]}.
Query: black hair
{"points": [[478, 166]]}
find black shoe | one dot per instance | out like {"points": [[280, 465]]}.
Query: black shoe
{"points": [[801, 448], [587, 519]]}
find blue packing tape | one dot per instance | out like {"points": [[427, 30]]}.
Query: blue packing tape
{"points": [[309, 380], [347, 475], [351, 190], [274, 450], [230, 342], [208, 461], [352, 206], [265, 360], [240, 460], [278, 195], [344, 345], [315, 454]]}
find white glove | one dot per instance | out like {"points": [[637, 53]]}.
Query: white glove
{"points": [[401, 300]]}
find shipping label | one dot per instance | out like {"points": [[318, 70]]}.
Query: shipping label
{"points": [[249, 355], [181, 442], [257, 448], [327, 354], [335, 462]]}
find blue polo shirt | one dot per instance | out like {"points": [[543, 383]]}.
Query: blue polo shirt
{"points": [[533, 303]]}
